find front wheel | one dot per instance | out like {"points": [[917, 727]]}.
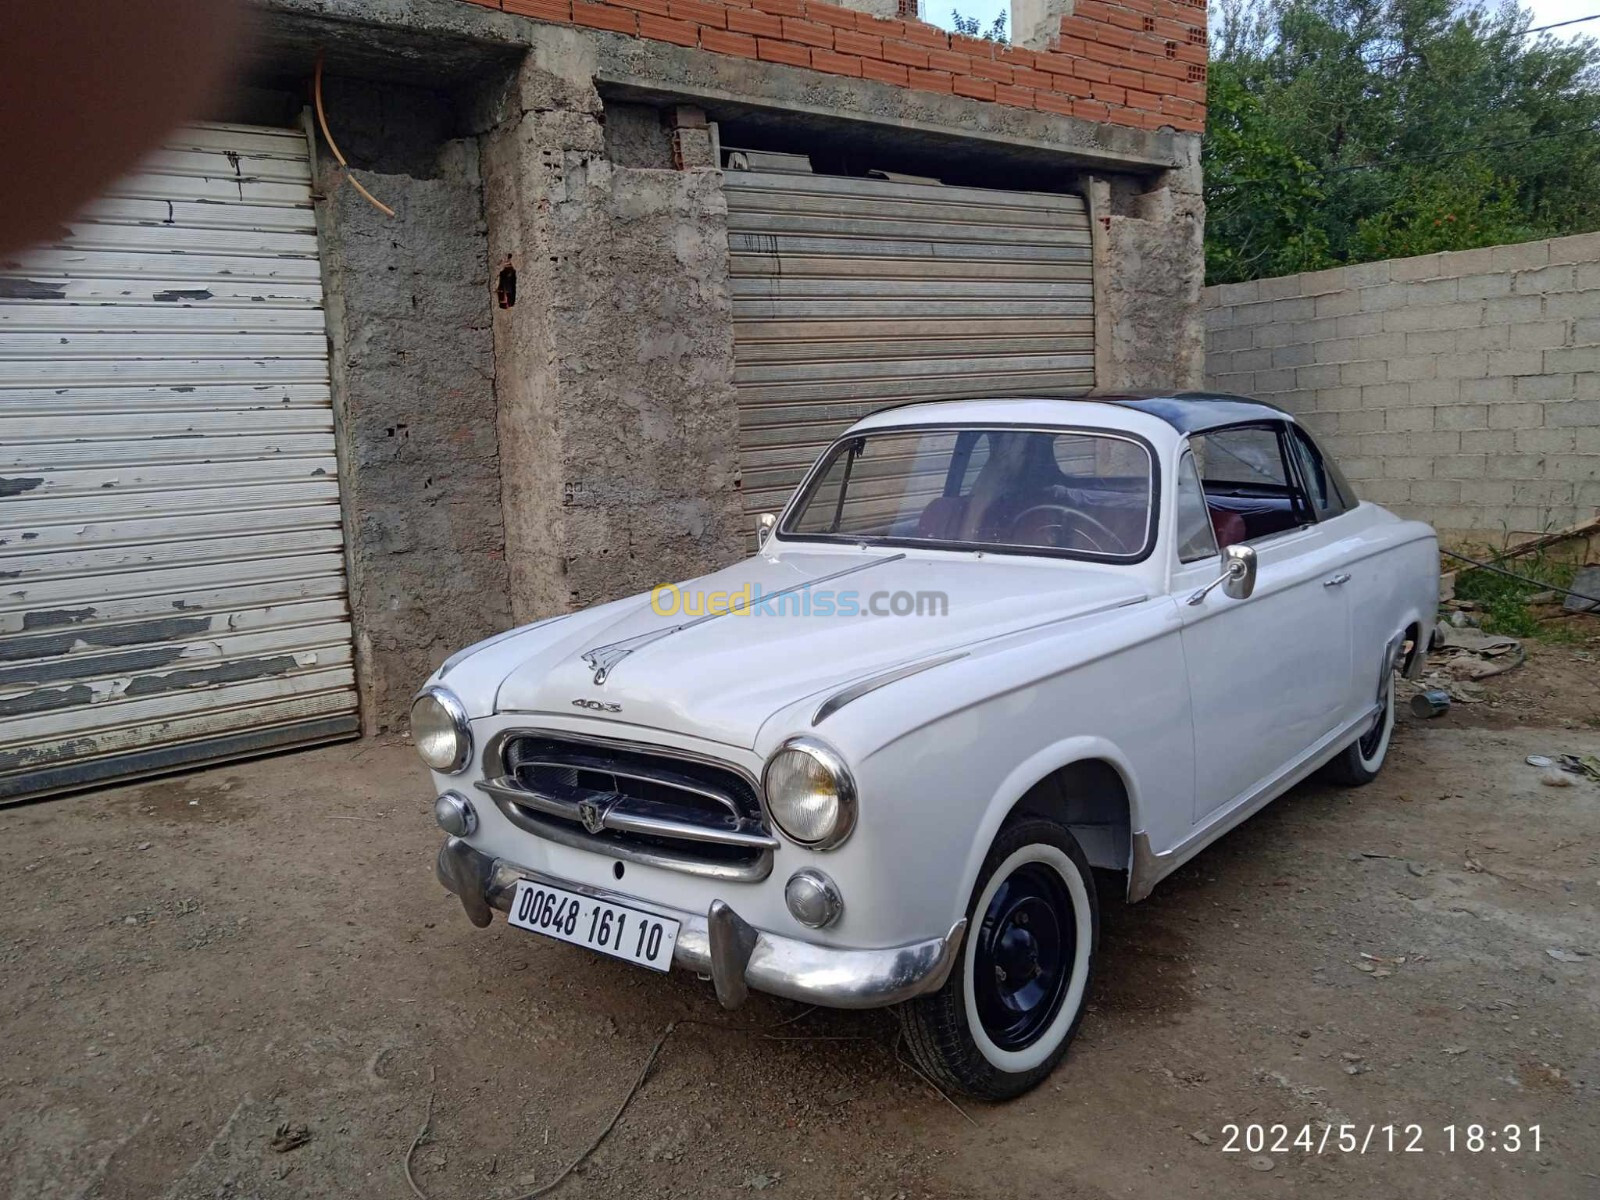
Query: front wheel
{"points": [[1360, 761], [1006, 1014]]}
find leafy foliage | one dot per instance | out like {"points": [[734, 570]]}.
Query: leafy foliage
{"points": [[1342, 131], [972, 27]]}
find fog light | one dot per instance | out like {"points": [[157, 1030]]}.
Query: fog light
{"points": [[455, 815], [813, 898]]}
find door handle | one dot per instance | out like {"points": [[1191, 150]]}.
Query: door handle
{"points": [[1336, 580]]}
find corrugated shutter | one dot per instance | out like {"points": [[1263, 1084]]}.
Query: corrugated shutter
{"points": [[850, 295], [172, 584]]}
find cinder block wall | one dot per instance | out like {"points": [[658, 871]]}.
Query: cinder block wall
{"points": [[1462, 389]]}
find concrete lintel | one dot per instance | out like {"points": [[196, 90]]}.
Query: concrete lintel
{"points": [[470, 36]]}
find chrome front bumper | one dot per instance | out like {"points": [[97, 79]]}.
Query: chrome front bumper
{"points": [[723, 945]]}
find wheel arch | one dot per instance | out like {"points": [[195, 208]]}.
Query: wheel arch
{"points": [[1084, 783]]}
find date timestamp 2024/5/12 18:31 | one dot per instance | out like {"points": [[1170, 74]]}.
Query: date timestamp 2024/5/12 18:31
{"points": [[1381, 1139]]}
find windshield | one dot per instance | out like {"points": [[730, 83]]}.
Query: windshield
{"points": [[1070, 492]]}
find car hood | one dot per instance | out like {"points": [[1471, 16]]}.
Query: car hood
{"points": [[721, 679]]}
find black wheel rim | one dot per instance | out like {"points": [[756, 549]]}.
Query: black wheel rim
{"points": [[1373, 738], [1022, 963]]}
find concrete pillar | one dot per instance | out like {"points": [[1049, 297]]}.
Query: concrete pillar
{"points": [[1149, 267], [617, 416], [1036, 24], [882, 8]]}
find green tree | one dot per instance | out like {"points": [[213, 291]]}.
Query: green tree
{"points": [[1359, 124]]}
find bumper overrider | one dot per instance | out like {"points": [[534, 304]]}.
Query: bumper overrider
{"points": [[721, 944]]}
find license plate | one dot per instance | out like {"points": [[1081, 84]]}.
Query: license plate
{"points": [[614, 929]]}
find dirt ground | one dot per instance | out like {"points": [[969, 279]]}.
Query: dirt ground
{"points": [[245, 983]]}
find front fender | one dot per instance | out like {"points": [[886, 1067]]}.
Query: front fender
{"points": [[1029, 772]]}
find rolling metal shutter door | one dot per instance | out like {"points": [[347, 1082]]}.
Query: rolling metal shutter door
{"points": [[851, 295], [172, 585]]}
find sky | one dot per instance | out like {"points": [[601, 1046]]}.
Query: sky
{"points": [[1545, 12]]}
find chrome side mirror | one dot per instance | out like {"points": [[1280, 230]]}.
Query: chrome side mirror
{"points": [[1238, 576], [765, 524]]}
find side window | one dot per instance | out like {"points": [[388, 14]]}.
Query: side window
{"points": [[1322, 479], [1196, 538], [1250, 489]]}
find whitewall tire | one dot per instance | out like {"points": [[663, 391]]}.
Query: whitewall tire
{"points": [[1012, 1005]]}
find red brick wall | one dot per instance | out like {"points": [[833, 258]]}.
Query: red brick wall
{"points": [[1132, 62]]}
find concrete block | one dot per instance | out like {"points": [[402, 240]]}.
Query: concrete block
{"points": [[1338, 399], [1359, 324], [1486, 391], [1432, 341], [1365, 275], [1469, 262], [1425, 266], [1435, 491], [1457, 315], [1422, 366], [1252, 314], [1588, 277], [1361, 468], [1386, 445], [1311, 378], [1543, 491], [1586, 332], [1586, 493], [1384, 297], [1546, 441], [1566, 304], [1338, 304], [1462, 416], [1418, 418], [1580, 248], [1482, 287], [1381, 395], [1512, 310], [1513, 466], [1227, 339], [1573, 414], [1360, 420], [1588, 441], [1381, 346], [1278, 333], [1545, 387], [1296, 355], [1406, 467], [1544, 280], [1575, 358], [1336, 350], [1519, 257], [1538, 335], [1576, 467], [1320, 423], [1586, 386], [1218, 318], [1231, 295], [1388, 492], [1436, 443], [1459, 466], [1516, 416], [1484, 337], [1488, 492], [1515, 362], [1275, 381], [1282, 287], [1252, 360], [1436, 392], [1463, 364], [1432, 292], [1487, 441]]}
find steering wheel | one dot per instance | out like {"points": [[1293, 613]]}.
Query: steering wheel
{"points": [[1074, 522]]}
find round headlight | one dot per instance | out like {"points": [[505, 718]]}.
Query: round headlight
{"points": [[440, 731], [810, 793]]}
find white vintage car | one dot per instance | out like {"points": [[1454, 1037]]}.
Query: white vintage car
{"points": [[989, 645]]}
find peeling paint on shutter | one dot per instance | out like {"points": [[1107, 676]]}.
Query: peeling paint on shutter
{"points": [[172, 580], [852, 294]]}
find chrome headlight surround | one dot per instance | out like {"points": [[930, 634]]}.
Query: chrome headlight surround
{"points": [[444, 716], [826, 765]]}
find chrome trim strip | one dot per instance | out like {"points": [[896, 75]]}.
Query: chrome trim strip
{"points": [[604, 658], [780, 966], [873, 682]]}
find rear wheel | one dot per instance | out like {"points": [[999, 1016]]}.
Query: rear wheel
{"points": [[1014, 1000], [1360, 761]]}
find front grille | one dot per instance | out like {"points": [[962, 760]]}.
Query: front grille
{"points": [[636, 804]]}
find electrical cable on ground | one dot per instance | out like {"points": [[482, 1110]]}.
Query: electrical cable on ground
{"points": [[1531, 582]]}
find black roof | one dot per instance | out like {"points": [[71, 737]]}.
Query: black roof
{"points": [[1191, 412]]}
